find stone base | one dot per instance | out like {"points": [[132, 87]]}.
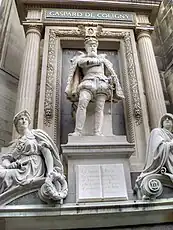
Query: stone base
{"points": [[96, 154], [96, 140], [125, 215]]}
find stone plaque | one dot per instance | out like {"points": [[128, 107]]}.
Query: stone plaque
{"points": [[113, 181], [127, 17], [88, 183], [100, 182]]}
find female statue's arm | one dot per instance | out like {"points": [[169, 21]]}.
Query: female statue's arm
{"points": [[9, 163], [7, 158], [48, 159]]}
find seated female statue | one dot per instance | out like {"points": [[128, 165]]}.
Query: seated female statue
{"points": [[160, 148], [159, 158], [32, 156]]}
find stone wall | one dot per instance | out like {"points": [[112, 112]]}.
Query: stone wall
{"points": [[12, 41], [163, 45]]}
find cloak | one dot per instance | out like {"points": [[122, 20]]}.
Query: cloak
{"points": [[76, 75], [43, 138]]}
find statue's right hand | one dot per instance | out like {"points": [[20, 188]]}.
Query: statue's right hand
{"points": [[13, 165]]}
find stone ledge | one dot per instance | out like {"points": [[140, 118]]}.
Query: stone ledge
{"points": [[104, 149], [90, 215], [92, 140]]}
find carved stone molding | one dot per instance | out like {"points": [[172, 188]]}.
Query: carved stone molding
{"points": [[137, 110], [69, 32], [48, 102], [33, 28], [80, 32], [111, 34], [53, 35]]}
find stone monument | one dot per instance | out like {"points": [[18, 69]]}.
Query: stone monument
{"points": [[98, 165], [158, 170], [30, 164]]}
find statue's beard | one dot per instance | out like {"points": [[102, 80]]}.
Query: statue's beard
{"points": [[92, 54]]}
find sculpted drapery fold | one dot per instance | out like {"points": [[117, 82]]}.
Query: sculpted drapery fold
{"points": [[30, 158], [158, 169]]}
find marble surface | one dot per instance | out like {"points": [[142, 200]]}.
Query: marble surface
{"points": [[100, 182]]}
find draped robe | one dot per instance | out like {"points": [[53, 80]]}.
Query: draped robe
{"points": [[27, 151], [159, 152]]}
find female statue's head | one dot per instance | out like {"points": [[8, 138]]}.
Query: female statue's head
{"points": [[166, 122], [21, 121]]}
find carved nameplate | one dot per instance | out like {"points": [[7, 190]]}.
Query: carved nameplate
{"points": [[89, 15], [100, 182]]}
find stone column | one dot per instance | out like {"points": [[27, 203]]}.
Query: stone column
{"points": [[153, 88], [29, 71]]}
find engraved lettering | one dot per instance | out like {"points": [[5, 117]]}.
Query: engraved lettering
{"points": [[104, 15], [107, 15], [52, 13], [73, 14], [68, 14], [79, 14], [99, 15], [101, 182], [87, 14]]}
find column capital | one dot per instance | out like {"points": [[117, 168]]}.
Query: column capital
{"points": [[143, 32], [33, 28]]}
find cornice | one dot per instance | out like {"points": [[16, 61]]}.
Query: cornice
{"points": [[138, 6]]}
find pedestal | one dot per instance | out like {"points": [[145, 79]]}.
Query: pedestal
{"points": [[98, 168]]}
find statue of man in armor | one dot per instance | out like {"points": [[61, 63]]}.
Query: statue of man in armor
{"points": [[92, 78]]}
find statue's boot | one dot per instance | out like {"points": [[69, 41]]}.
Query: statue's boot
{"points": [[76, 133]]}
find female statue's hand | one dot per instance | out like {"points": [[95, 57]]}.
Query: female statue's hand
{"points": [[5, 163], [13, 165]]}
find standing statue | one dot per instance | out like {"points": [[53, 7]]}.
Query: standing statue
{"points": [[92, 78], [159, 159], [31, 157]]}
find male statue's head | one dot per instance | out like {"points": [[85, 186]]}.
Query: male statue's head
{"points": [[91, 45], [22, 121]]}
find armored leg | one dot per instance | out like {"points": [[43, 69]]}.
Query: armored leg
{"points": [[84, 98], [99, 114]]}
